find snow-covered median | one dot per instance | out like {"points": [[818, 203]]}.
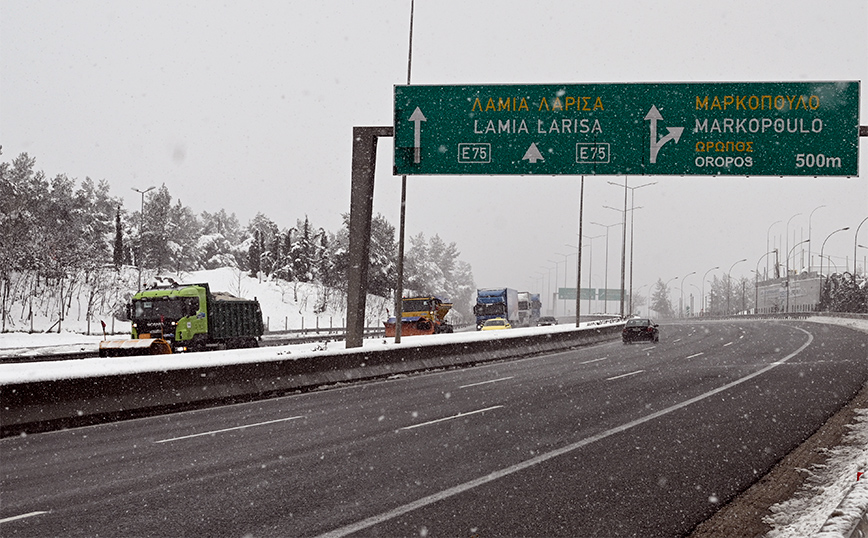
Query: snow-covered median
{"points": [[98, 367]]}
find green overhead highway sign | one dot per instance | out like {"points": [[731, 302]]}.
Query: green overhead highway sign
{"points": [[712, 128]]}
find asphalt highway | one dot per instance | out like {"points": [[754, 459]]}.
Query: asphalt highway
{"points": [[608, 440]]}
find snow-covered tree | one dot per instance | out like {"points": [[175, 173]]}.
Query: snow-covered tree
{"points": [[660, 300]]}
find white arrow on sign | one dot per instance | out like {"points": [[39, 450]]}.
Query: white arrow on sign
{"points": [[532, 154], [417, 118], [674, 133]]}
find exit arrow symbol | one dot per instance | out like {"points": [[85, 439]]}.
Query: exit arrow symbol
{"points": [[532, 154], [417, 118], [674, 133]]}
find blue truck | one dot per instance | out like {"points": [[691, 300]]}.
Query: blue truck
{"points": [[496, 303]]}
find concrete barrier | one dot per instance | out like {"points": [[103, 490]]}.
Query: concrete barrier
{"points": [[58, 403]]}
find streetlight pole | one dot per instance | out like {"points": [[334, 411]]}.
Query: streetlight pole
{"points": [[788, 271], [787, 238], [546, 289], [729, 284], [666, 290], [141, 231], [855, 247], [822, 248], [632, 218], [756, 285], [565, 278], [809, 235], [606, 275], [681, 303], [767, 243], [702, 299], [554, 289], [623, 251]]}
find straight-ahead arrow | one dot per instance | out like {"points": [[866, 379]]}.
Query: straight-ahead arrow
{"points": [[417, 118], [532, 154]]}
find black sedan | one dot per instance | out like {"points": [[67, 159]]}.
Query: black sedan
{"points": [[640, 329]]}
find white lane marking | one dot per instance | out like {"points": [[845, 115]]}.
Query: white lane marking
{"points": [[595, 360], [624, 375], [228, 429], [459, 415], [485, 382], [512, 469], [22, 516], [727, 344], [649, 348], [695, 355], [678, 340]]}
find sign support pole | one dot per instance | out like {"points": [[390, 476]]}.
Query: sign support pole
{"points": [[579, 254], [361, 210]]}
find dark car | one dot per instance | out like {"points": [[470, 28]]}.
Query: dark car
{"points": [[640, 329], [546, 320]]}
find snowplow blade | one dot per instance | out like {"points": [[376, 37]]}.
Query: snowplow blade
{"points": [[129, 348], [410, 327]]}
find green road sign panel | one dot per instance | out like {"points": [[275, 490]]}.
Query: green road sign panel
{"points": [[713, 128], [570, 294], [609, 294]]}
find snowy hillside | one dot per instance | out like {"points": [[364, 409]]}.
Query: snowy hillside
{"points": [[285, 305]]}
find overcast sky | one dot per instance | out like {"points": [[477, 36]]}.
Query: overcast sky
{"points": [[249, 106]]}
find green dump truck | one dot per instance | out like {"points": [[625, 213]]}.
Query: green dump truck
{"points": [[174, 317]]}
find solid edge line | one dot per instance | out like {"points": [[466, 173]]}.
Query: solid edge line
{"points": [[461, 488], [227, 429]]}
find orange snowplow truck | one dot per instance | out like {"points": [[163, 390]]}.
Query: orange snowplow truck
{"points": [[421, 315]]}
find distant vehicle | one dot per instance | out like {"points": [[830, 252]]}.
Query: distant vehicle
{"points": [[496, 303], [640, 329], [173, 317], [421, 315], [496, 324], [547, 320], [528, 308]]}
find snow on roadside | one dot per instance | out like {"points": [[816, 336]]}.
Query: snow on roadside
{"points": [[802, 515], [828, 484]]}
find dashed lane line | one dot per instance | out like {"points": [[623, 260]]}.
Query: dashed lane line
{"points": [[624, 375], [228, 429], [485, 382], [23, 516], [459, 415], [512, 469]]}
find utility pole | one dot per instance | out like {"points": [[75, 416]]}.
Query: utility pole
{"points": [[141, 231]]}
